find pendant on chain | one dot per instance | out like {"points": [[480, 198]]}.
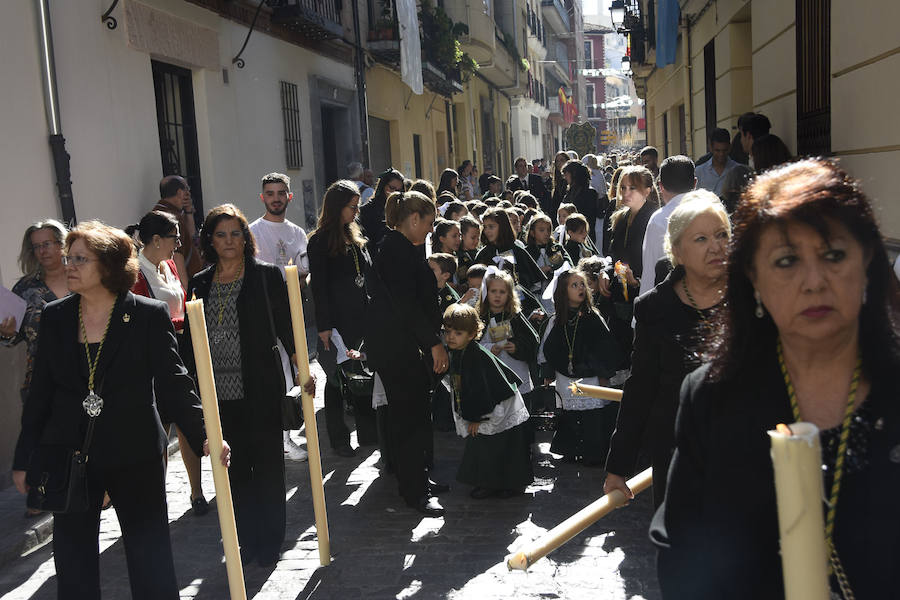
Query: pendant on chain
{"points": [[359, 281], [92, 404]]}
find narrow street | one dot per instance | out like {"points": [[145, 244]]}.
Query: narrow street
{"points": [[381, 549]]}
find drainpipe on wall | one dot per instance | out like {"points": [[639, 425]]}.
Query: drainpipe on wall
{"points": [[51, 106], [688, 85], [361, 88]]}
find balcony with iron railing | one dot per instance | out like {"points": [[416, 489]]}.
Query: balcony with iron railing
{"points": [[315, 19]]}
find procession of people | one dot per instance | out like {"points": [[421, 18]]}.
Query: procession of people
{"points": [[455, 308]]}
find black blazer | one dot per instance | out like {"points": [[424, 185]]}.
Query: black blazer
{"points": [[627, 245], [665, 340], [586, 201], [535, 187], [718, 527], [340, 303], [140, 355], [371, 219], [262, 374], [403, 321]]}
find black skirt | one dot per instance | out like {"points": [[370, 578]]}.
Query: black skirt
{"points": [[585, 433], [497, 462]]}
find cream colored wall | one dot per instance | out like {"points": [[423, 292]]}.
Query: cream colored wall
{"points": [[774, 42], [390, 99], [865, 67], [469, 135]]}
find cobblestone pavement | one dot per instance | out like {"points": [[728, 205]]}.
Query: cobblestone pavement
{"points": [[381, 549]]}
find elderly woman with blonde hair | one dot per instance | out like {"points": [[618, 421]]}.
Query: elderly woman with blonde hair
{"points": [[671, 322]]}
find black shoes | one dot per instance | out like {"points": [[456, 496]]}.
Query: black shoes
{"points": [[199, 506], [436, 489], [428, 506], [481, 493], [345, 451]]}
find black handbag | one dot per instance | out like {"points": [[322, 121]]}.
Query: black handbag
{"points": [[57, 477], [291, 407]]}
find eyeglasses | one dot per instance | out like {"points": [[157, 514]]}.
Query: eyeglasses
{"points": [[45, 245], [76, 261], [173, 236]]}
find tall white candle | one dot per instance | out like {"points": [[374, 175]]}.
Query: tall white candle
{"points": [[210, 402], [797, 460], [309, 416]]}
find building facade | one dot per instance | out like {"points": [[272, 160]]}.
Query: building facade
{"points": [[822, 71]]}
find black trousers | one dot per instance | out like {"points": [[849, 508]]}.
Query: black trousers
{"points": [[408, 389], [338, 433], [585, 433], [138, 493], [253, 430]]}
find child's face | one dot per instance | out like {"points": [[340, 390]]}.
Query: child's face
{"points": [[562, 215], [441, 277], [470, 239], [514, 221], [498, 295], [579, 236], [475, 282], [576, 290], [457, 339], [451, 240], [491, 230], [541, 233], [593, 283]]}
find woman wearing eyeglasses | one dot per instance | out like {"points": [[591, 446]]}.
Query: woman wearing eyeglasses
{"points": [[106, 368], [158, 278], [371, 215], [44, 281]]}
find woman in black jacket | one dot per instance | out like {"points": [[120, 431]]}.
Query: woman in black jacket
{"points": [[672, 321], [104, 341], [338, 264], [581, 194], [807, 334], [371, 215], [403, 341], [240, 293], [639, 199]]}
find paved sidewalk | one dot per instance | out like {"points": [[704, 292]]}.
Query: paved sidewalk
{"points": [[380, 548]]}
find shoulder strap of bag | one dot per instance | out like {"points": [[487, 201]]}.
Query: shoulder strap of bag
{"points": [[265, 288]]}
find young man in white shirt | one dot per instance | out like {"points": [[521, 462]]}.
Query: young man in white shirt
{"points": [[280, 242], [676, 178], [711, 174]]}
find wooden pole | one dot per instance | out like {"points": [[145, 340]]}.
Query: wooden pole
{"points": [[309, 416], [797, 463], [596, 391], [210, 402], [577, 523]]}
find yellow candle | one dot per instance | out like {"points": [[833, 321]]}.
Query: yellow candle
{"points": [[797, 460], [309, 416], [210, 402], [577, 523], [596, 391]]}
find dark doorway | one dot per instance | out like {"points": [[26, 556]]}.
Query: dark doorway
{"points": [[379, 144], [709, 86], [329, 143], [177, 126], [813, 77], [417, 154]]}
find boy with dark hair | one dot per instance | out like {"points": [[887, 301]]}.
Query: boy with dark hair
{"points": [[578, 244], [649, 158], [444, 266]]}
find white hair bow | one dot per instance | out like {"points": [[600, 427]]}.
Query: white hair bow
{"points": [[490, 270], [443, 208], [551, 287]]}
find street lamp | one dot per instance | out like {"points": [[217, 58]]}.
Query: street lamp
{"points": [[617, 12], [626, 65]]}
